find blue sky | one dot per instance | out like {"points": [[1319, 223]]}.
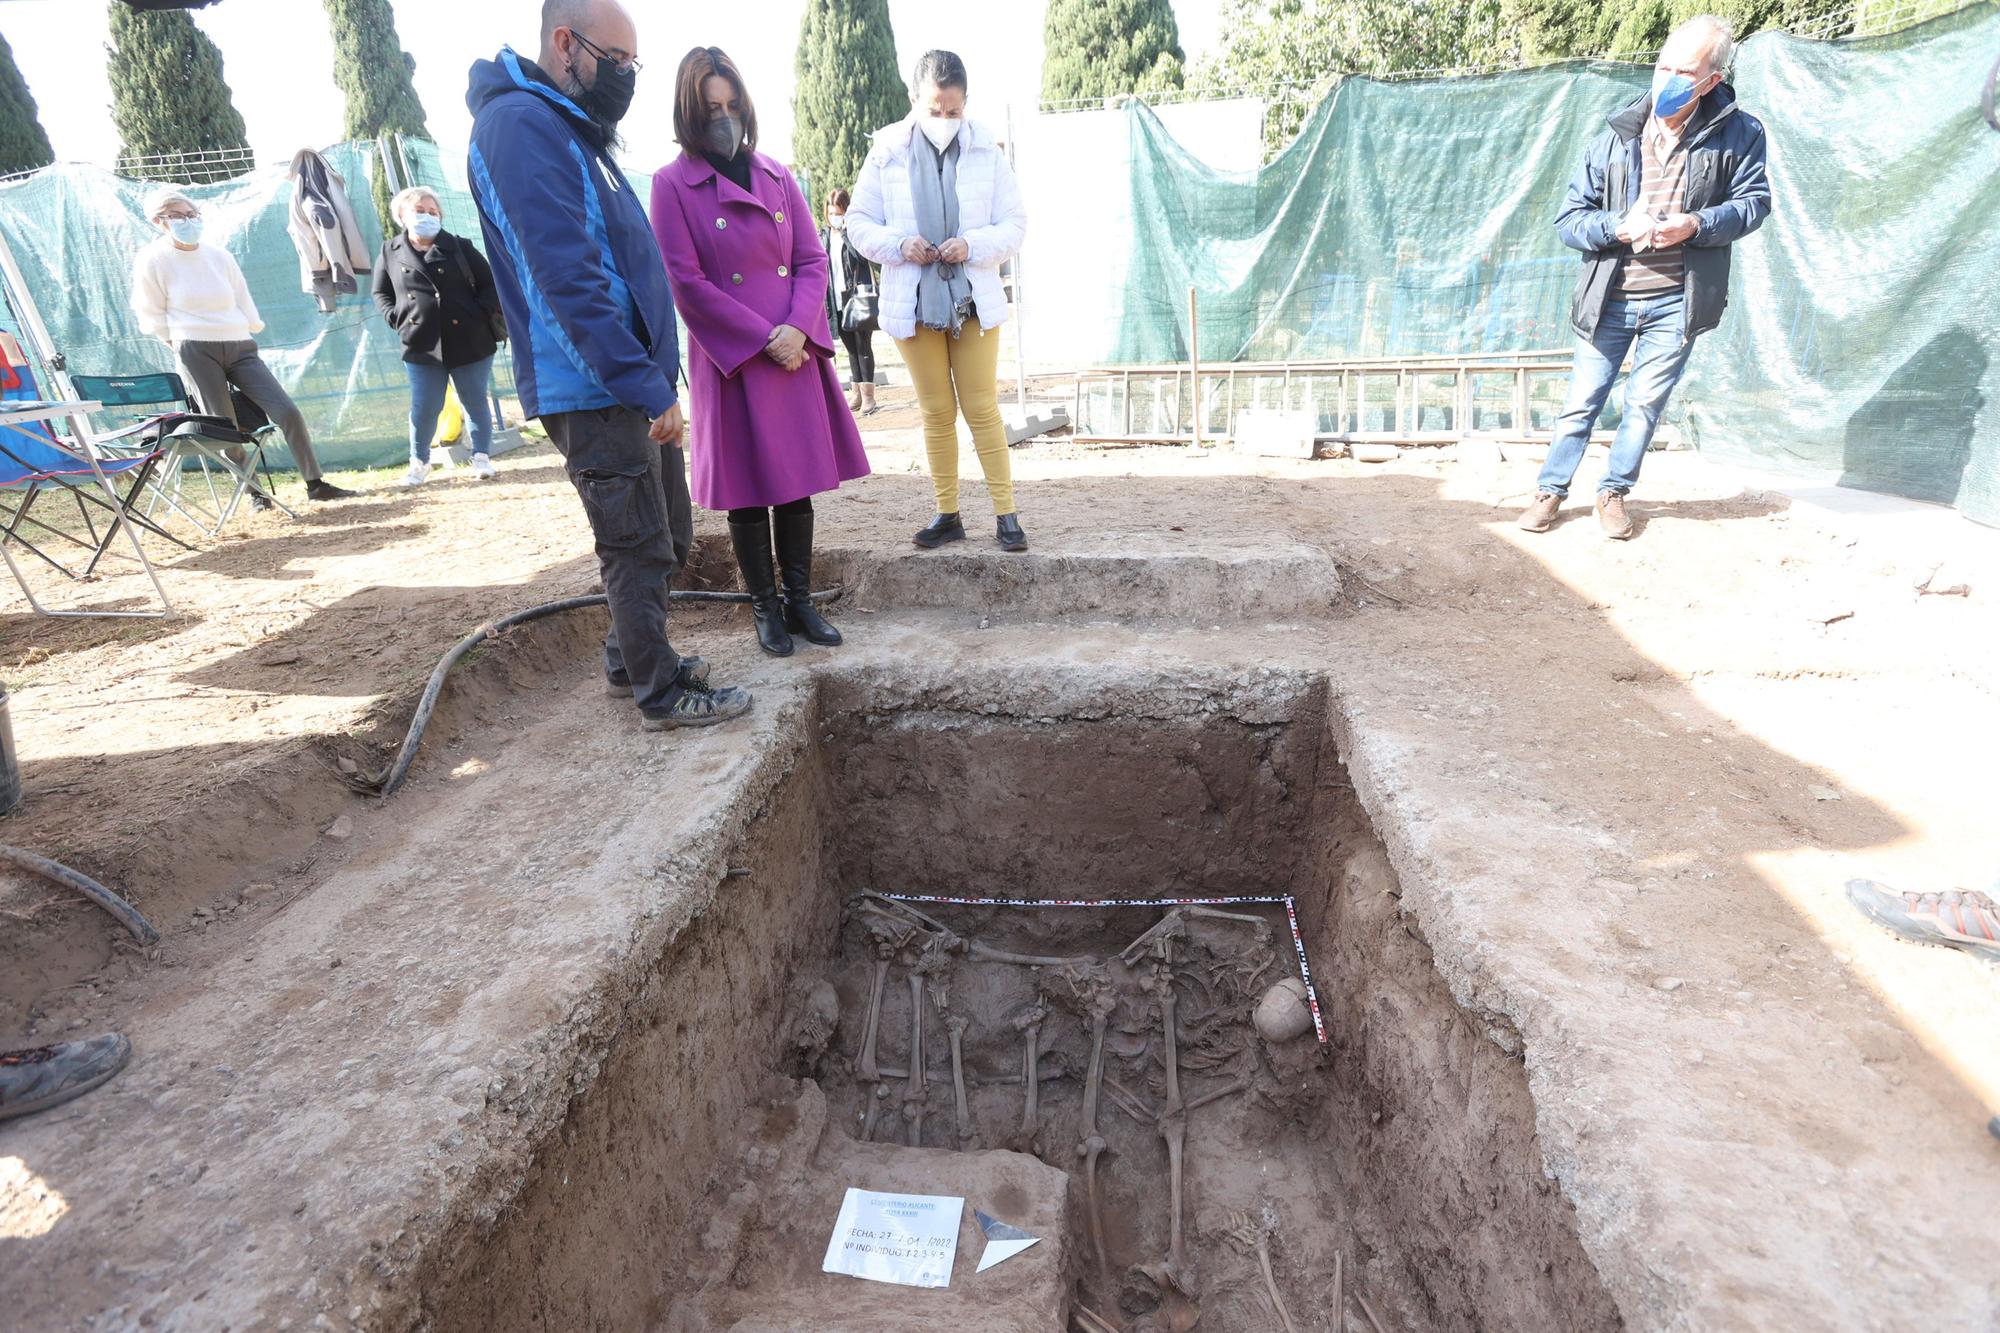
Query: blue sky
{"points": [[278, 60]]}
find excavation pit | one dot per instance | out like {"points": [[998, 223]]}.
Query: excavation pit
{"points": [[694, 1182]]}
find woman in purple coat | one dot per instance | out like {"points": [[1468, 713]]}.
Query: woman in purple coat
{"points": [[770, 426]]}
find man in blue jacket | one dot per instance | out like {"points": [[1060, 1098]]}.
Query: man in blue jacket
{"points": [[1667, 187], [595, 345]]}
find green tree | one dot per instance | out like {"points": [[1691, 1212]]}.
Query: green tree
{"points": [[167, 93], [1099, 48], [1291, 51], [846, 88], [373, 70], [1557, 29], [24, 145]]}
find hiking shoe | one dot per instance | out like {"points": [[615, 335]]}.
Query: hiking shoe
{"points": [[321, 489], [700, 705], [694, 671], [1960, 919], [1541, 515], [1611, 516], [45, 1076], [482, 467], [418, 474], [944, 528]]}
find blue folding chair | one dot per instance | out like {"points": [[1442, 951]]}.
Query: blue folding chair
{"points": [[190, 442], [33, 463]]}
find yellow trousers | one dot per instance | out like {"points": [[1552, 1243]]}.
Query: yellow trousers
{"points": [[953, 375]]}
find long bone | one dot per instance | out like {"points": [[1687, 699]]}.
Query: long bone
{"points": [[913, 1097], [1257, 1235], [1089, 991], [1093, 1144], [1029, 1022], [1173, 1116], [955, 1025], [881, 1094], [870, 1071]]}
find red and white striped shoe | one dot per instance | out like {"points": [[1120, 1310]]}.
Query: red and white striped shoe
{"points": [[1959, 919]]}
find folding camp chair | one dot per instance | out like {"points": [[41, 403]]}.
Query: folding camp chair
{"points": [[34, 463], [190, 442]]}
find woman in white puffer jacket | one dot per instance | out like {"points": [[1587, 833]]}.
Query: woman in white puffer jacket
{"points": [[938, 208]]}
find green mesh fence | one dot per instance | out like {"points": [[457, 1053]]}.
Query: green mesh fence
{"points": [[1406, 219], [1864, 323], [75, 230], [1416, 218]]}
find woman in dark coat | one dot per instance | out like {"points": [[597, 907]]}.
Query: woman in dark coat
{"points": [[437, 293], [853, 288]]}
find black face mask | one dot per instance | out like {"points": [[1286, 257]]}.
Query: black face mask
{"points": [[607, 100]]}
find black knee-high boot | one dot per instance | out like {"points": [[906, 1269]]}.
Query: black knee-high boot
{"points": [[752, 541], [795, 565]]}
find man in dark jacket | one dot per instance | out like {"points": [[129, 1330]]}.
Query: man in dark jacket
{"points": [[595, 345], [1666, 188]]}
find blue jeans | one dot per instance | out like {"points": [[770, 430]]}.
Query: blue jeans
{"points": [[427, 381], [1652, 330]]}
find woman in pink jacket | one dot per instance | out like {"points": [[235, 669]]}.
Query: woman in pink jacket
{"points": [[770, 426]]}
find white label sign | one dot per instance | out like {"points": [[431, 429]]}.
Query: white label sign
{"points": [[909, 1239]]}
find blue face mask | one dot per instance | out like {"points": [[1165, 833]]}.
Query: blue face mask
{"points": [[185, 230], [424, 226], [1671, 94]]}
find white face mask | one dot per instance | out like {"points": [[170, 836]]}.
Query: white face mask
{"points": [[939, 130]]}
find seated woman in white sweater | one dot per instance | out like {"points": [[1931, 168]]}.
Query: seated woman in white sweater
{"points": [[193, 296]]}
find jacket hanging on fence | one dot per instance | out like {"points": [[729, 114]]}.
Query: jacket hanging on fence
{"points": [[324, 228]]}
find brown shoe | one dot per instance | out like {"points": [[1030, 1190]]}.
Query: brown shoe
{"points": [[1541, 515], [1611, 516]]}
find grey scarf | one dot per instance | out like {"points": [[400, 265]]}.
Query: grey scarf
{"points": [[944, 293]]}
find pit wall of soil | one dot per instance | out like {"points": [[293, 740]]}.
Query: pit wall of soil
{"points": [[1434, 1133], [597, 1234], [1048, 783]]}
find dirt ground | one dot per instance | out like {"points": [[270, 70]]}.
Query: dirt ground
{"points": [[1728, 717]]}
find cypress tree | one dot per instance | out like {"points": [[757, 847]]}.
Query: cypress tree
{"points": [[167, 92], [846, 88], [374, 72], [24, 145], [1095, 48]]}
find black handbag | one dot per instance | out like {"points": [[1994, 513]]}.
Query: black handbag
{"points": [[861, 311]]}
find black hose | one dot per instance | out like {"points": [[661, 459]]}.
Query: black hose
{"points": [[493, 629], [57, 873]]}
